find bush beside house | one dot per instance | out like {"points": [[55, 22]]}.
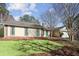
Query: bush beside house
{"points": [[1, 32]]}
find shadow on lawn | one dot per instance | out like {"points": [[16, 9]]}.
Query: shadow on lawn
{"points": [[46, 48], [64, 51], [42, 47], [35, 46]]}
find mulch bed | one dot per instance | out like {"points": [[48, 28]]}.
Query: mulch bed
{"points": [[65, 51]]}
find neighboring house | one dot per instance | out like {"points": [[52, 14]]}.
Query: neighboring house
{"points": [[14, 29], [64, 31], [56, 33], [60, 32]]}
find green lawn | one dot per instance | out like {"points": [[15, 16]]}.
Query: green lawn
{"points": [[7, 48], [10, 48]]}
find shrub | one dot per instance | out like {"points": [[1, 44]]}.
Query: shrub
{"points": [[61, 34], [1, 32]]}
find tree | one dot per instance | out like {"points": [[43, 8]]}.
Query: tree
{"points": [[67, 12], [49, 18], [76, 27], [27, 18], [3, 12]]}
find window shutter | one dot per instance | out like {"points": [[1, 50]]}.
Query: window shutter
{"points": [[26, 31], [13, 31], [46, 33], [37, 32]]}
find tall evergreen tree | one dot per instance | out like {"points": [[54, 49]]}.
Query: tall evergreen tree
{"points": [[27, 18], [3, 11]]}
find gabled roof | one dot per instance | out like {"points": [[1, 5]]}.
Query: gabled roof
{"points": [[8, 20], [22, 24]]}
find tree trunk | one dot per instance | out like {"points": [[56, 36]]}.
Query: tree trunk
{"points": [[69, 28], [71, 34]]}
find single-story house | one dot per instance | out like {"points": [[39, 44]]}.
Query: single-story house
{"points": [[24, 29], [18, 29]]}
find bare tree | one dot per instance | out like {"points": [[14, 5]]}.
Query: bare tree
{"points": [[67, 13], [50, 20]]}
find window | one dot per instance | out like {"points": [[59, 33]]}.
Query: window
{"points": [[46, 33], [37, 32], [42, 33], [26, 31], [12, 30]]}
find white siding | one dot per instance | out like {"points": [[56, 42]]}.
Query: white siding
{"points": [[48, 33], [19, 31], [31, 32], [5, 31], [40, 32], [44, 33], [65, 34], [8, 30]]}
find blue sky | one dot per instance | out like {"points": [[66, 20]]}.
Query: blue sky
{"points": [[34, 9], [20, 9]]}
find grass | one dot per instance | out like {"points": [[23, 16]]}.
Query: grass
{"points": [[7, 48], [10, 48]]}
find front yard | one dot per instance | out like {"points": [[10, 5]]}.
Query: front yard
{"points": [[13, 48], [7, 48], [31, 47]]}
